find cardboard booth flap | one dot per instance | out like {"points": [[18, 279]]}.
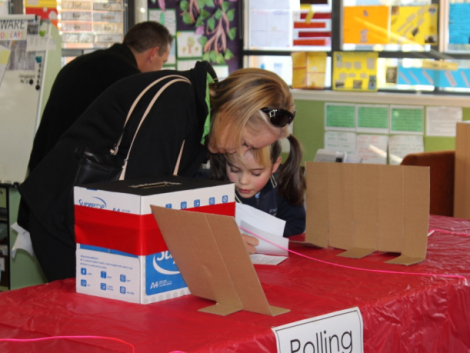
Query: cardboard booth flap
{"points": [[362, 208], [212, 258]]}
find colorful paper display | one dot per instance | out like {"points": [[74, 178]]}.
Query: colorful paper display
{"points": [[309, 70], [459, 26], [459, 78], [414, 24], [355, 71], [366, 24]]}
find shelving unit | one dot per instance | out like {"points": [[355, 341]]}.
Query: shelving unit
{"points": [[23, 270]]}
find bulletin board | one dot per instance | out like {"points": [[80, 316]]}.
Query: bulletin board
{"points": [[24, 88]]}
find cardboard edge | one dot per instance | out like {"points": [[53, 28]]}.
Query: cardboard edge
{"points": [[275, 310], [356, 253], [307, 245], [219, 309], [405, 260]]}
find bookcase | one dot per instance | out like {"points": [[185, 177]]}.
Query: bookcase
{"points": [[22, 270]]}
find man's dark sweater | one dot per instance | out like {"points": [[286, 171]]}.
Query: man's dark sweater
{"points": [[76, 86]]}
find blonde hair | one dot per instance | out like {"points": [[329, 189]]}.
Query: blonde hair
{"points": [[262, 156], [236, 103]]}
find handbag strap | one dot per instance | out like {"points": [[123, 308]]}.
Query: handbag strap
{"points": [[149, 107], [115, 149]]}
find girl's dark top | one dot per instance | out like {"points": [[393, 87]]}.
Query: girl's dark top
{"points": [[269, 201]]}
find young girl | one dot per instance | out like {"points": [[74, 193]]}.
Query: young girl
{"points": [[262, 182]]}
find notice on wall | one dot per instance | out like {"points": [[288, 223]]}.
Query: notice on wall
{"points": [[407, 119], [414, 24], [308, 70], [373, 118], [340, 141], [188, 45], [366, 24], [459, 26], [355, 71], [340, 117], [4, 57], [13, 29], [372, 148], [270, 28], [340, 331], [401, 145], [166, 18], [442, 121]]}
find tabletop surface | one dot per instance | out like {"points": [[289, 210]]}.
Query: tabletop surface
{"points": [[419, 308]]}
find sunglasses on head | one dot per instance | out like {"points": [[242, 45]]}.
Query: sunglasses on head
{"points": [[279, 117]]}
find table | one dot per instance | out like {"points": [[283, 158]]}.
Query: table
{"points": [[401, 312]]}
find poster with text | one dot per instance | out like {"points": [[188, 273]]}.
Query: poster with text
{"points": [[340, 117], [401, 145], [373, 118], [340, 141], [372, 148], [166, 18], [442, 121], [407, 120]]}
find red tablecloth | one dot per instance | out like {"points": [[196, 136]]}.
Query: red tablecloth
{"points": [[401, 312]]}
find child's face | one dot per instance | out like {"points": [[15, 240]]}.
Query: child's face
{"points": [[250, 179]]}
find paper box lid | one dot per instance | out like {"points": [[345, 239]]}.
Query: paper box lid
{"points": [[135, 196]]}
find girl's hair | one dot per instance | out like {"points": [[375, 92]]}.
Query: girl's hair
{"points": [[236, 102], [291, 181]]}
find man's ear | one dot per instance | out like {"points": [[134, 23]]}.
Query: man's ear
{"points": [[152, 52], [276, 165]]}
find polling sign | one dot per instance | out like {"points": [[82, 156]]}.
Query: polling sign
{"points": [[338, 332]]}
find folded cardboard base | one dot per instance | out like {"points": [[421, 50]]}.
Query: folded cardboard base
{"points": [[211, 256]]}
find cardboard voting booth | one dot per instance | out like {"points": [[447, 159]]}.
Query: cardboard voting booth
{"points": [[362, 208], [462, 171], [121, 253], [213, 260]]}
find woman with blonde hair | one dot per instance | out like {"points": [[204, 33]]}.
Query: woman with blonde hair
{"points": [[194, 115]]}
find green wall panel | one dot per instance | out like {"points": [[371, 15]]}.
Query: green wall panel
{"points": [[309, 128]]}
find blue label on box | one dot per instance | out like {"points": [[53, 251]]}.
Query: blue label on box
{"points": [[162, 275]]}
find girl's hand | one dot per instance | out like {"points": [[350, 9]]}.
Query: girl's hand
{"points": [[250, 243]]}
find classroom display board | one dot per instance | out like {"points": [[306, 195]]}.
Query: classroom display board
{"points": [[29, 62], [84, 24], [371, 25], [385, 134], [202, 30]]}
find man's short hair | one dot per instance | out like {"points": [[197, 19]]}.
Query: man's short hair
{"points": [[147, 35]]}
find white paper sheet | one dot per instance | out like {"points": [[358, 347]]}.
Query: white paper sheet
{"points": [[340, 141], [264, 225], [372, 148], [442, 121], [401, 145], [260, 259], [269, 244], [23, 241], [38, 43]]}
